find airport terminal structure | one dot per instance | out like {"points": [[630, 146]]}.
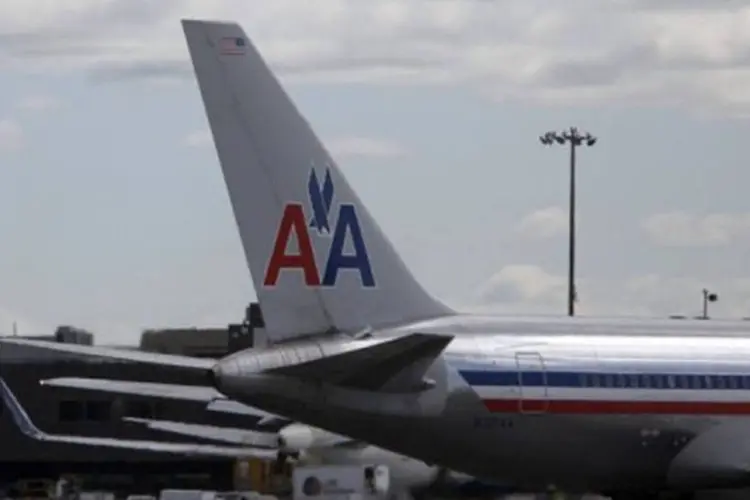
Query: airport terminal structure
{"points": [[100, 414]]}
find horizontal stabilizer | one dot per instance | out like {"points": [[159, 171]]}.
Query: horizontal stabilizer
{"points": [[371, 368], [24, 423], [230, 435], [94, 353]]}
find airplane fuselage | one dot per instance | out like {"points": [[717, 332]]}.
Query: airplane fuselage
{"points": [[577, 404]]}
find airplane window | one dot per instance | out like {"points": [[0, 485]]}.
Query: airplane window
{"points": [[98, 411], [139, 409], [70, 411], [671, 381]]}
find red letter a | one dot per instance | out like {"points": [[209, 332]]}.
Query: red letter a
{"points": [[292, 221]]}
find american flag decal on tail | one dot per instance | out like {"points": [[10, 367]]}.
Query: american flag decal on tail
{"points": [[232, 45]]}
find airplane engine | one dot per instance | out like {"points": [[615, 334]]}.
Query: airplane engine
{"points": [[407, 475], [297, 437], [412, 479]]}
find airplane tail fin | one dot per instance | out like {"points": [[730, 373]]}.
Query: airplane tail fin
{"points": [[318, 259]]}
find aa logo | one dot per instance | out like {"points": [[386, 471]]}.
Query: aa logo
{"points": [[340, 225]]}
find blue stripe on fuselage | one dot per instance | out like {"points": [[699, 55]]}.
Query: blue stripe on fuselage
{"points": [[605, 379]]}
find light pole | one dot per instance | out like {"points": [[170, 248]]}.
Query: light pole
{"points": [[708, 297], [574, 138]]}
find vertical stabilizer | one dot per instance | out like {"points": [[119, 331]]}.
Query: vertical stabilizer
{"points": [[318, 259]]}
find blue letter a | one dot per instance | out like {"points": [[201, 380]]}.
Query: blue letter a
{"points": [[348, 222]]}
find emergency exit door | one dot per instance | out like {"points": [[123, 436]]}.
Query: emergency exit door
{"points": [[532, 383]]}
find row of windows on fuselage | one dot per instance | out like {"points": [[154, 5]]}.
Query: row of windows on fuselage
{"points": [[104, 411], [652, 381]]}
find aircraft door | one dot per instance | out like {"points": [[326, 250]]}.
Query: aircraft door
{"points": [[532, 382]]}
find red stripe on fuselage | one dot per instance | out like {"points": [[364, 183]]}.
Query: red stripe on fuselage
{"points": [[584, 407]]}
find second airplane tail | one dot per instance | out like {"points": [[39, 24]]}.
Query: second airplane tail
{"points": [[318, 259]]}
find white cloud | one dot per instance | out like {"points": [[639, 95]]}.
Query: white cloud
{"points": [[11, 135], [686, 53], [39, 103], [529, 289], [364, 147], [683, 229], [544, 223], [523, 284], [199, 139]]}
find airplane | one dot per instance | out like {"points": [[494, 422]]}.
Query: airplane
{"points": [[357, 347], [410, 478]]}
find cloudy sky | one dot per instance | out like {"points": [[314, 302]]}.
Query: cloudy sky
{"points": [[114, 215]]}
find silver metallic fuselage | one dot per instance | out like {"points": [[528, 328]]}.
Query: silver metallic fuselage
{"points": [[581, 404]]}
